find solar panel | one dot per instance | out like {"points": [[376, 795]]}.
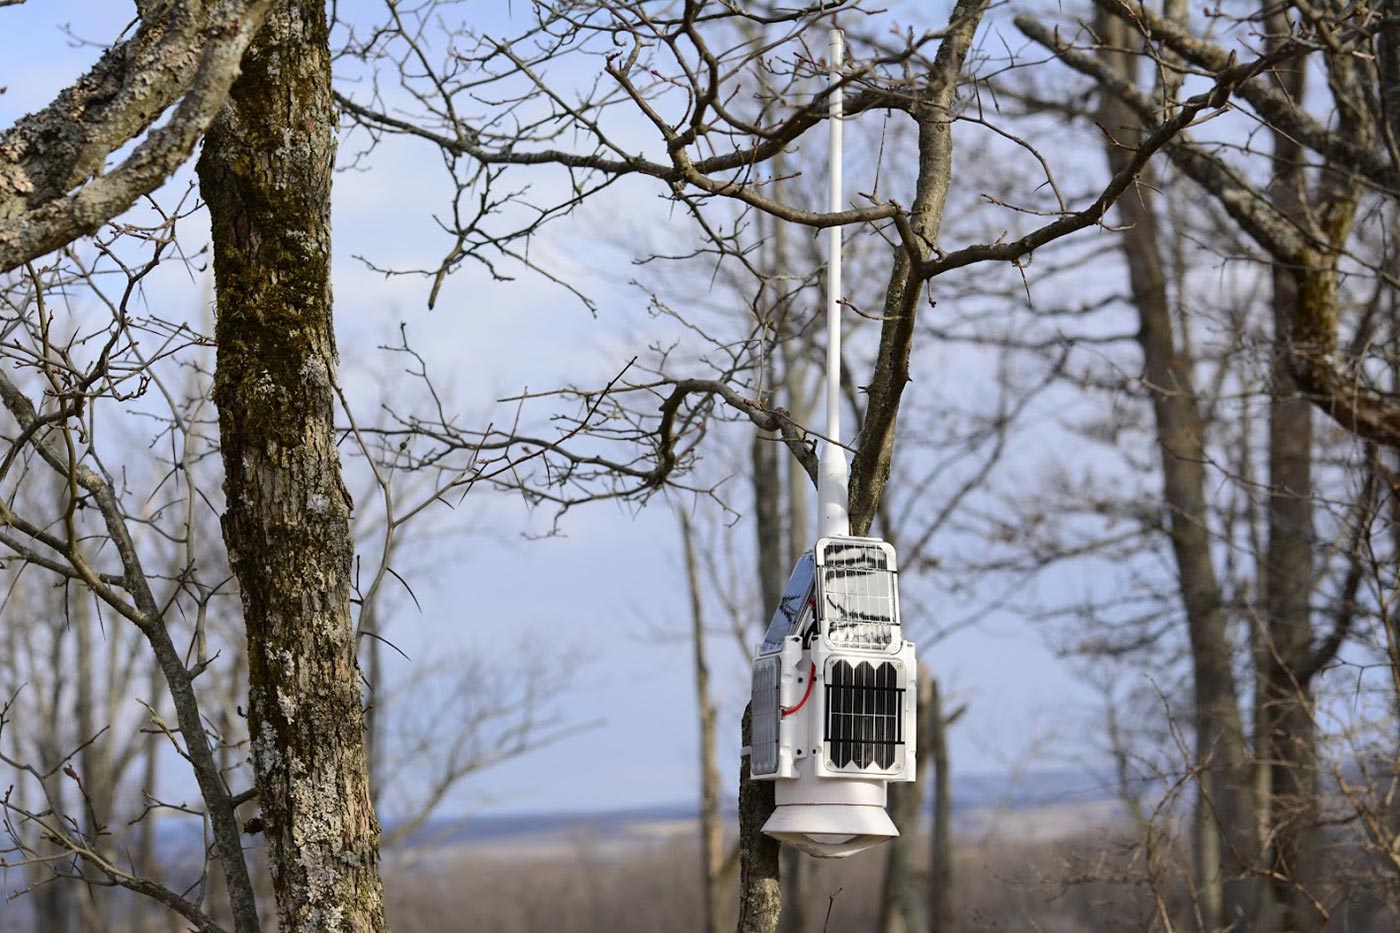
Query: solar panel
{"points": [[765, 713], [792, 605], [858, 596], [864, 715]]}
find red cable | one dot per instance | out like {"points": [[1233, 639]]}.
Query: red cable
{"points": [[811, 679]]}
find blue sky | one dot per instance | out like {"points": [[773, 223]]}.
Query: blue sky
{"points": [[608, 592]]}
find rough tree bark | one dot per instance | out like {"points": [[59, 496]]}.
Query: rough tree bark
{"points": [[1224, 825], [760, 892], [870, 468], [266, 176], [55, 183]]}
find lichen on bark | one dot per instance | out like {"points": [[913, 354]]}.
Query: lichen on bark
{"points": [[56, 183], [266, 175]]}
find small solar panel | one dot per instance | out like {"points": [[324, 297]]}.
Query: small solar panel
{"points": [[864, 715], [858, 594], [792, 605], [764, 713]]}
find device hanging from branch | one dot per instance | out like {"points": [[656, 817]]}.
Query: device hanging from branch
{"points": [[833, 709]]}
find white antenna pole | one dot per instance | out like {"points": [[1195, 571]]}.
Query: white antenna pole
{"points": [[833, 476]]}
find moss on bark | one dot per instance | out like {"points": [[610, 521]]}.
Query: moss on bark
{"points": [[266, 175]]}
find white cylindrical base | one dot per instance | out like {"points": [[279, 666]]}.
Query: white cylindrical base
{"points": [[829, 817]]}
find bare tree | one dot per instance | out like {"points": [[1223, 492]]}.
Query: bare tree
{"points": [[58, 438], [678, 83], [901, 903], [1224, 818], [709, 152], [711, 819], [1265, 566], [940, 890]]}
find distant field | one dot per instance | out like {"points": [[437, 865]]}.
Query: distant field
{"points": [[620, 872], [1047, 804], [641, 877], [1049, 852]]}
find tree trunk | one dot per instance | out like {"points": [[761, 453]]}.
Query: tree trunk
{"points": [[149, 915], [94, 761], [901, 907], [772, 575], [711, 819], [266, 176], [940, 870], [760, 892], [56, 899], [53, 899], [936, 99], [1225, 840], [768, 523], [374, 712], [1288, 741]]}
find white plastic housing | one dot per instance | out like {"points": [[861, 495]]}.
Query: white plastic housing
{"points": [[834, 700], [829, 818]]}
